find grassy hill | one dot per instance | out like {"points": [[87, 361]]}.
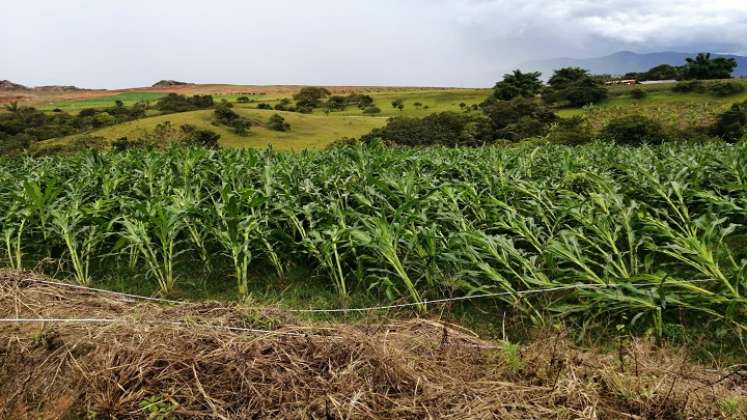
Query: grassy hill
{"points": [[308, 131]]}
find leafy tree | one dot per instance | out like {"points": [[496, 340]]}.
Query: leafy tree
{"points": [[174, 102], [359, 100], [284, 105], [310, 97], [661, 72], [226, 116], [704, 67], [518, 119], [445, 128], [575, 87], [336, 103], [517, 84]]}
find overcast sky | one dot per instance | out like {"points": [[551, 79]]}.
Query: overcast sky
{"points": [[125, 43]]}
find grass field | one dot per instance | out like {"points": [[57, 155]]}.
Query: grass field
{"points": [[308, 131]]}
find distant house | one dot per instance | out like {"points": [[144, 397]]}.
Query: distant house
{"points": [[656, 82], [621, 82]]}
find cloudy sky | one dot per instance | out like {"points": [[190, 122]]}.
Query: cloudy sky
{"points": [[124, 43]]}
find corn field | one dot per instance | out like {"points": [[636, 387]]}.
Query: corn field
{"points": [[406, 224]]}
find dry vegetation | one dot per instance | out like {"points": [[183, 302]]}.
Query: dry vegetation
{"points": [[143, 366]]}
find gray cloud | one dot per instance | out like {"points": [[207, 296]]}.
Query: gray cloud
{"points": [[390, 42]]}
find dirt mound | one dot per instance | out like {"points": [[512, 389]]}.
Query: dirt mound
{"points": [[169, 83], [58, 88], [8, 85], [130, 359]]}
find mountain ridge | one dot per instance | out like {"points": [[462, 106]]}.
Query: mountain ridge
{"points": [[622, 62]]}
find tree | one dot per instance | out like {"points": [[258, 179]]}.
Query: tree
{"points": [[197, 137], [517, 84], [336, 103], [310, 97], [704, 67], [661, 72], [575, 87], [398, 104]]}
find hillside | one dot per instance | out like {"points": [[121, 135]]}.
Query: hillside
{"points": [[308, 131], [623, 62]]}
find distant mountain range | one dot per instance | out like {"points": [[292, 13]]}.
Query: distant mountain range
{"points": [[623, 62]]}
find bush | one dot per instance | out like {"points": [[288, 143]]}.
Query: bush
{"points": [[277, 123], [445, 128], [518, 119], [688, 86], [243, 99], [726, 88], [226, 116], [398, 104], [572, 131], [634, 130], [264, 106], [372, 109], [638, 93], [192, 136], [732, 124], [174, 102], [284, 105], [359, 100]]}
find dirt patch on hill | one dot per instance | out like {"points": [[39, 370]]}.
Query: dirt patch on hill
{"points": [[131, 359]]}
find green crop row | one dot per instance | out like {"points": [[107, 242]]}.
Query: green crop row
{"points": [[407, 224]]}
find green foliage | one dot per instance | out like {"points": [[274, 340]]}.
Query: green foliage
{"points": [[226, 116], [198, 137], [688, 86], [517, 84], [634, 130], [622, 229], [310, 97], [638, 93], [285, 104], [445, 128], [173, 102], [517, 119], [661, 72], [704, 67], [336, 103], [263, 105], [726, 88], [571, 131], [731, 125], [398, 104], [359, 100], [372, 109], [277, 123], [243, 100], [574, 87]]}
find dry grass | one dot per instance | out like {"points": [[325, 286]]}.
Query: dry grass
{"points": [[384, 369]]}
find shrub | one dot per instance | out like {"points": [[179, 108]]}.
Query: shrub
{"points": [[372, 109], [359, 100], [725, 88], [226, 116], [634, 130], [264, 106], [398, 104], [731, 125], [575, 87], [192, 136], [518, 119], [445, 128], [277, 123], [572, 131], [638, 93], [688, 86], [103, 119], [174, 102], [284, 105], [243, 99], [336, 103]]}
